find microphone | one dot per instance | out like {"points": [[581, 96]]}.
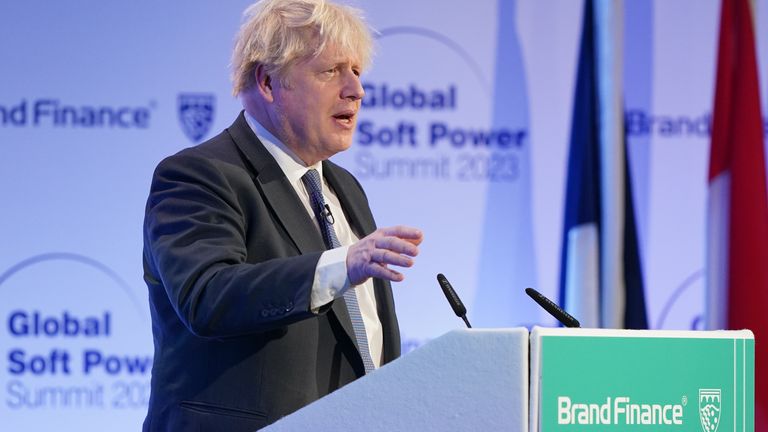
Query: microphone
{"points": [[564, 317], [328, 215], [453, 299]]}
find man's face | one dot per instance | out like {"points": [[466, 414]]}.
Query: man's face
{"points": [[316, 112]]}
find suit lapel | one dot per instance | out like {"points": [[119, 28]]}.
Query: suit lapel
{"points": [[276, 189], [352, 200]]}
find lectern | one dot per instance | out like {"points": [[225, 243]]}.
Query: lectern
{"points": [[586, 380], [465, 380]]}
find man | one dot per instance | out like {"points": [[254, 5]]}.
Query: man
{"points": [[249, 289]]}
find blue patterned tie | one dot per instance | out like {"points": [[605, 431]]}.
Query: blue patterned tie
{"points": [[315, 188]]}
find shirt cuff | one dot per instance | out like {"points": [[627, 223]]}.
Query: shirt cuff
{"points": [[331, 280]]}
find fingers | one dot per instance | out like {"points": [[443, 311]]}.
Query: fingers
{"points": [[371, 256], [383, 256], [409, 234], [396, 245], [382, 272], [400, 239]]}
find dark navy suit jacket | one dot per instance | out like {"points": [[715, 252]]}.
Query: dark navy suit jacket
{"points": [[229, 258]]}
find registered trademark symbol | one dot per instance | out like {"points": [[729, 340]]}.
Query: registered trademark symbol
{"points": [[685, 400]]}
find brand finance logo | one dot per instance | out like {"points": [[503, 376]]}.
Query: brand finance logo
{"points": [[709, 409], [196, 113]]}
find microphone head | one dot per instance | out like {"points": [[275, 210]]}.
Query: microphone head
{"points": [[556, 311], [453, 298]]}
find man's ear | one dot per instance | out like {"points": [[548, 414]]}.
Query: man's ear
{"points": [[263, 83]]}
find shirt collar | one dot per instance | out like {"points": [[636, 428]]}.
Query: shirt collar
{"points": [[292, 165]]}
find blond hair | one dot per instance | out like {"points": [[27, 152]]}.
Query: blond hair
{"points": [[277, 33]]}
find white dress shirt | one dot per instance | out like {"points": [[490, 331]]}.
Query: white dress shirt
{"points": [[331, 279]]}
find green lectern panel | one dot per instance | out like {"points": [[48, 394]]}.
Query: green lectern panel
{"points": [[650, 381]]}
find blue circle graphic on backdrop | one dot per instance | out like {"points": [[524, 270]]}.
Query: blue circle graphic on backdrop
{"points": [[76, 258], [443, 40], [75, 341]]}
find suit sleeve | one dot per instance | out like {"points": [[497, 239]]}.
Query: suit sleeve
{"points": [[195, 233]]}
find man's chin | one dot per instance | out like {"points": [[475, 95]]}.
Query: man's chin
{"points": [[340, 145]]}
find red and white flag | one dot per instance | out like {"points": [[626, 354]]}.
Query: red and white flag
{"points": [[737, 244]]}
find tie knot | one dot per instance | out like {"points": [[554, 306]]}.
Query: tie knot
{"points": [[312, 181]]}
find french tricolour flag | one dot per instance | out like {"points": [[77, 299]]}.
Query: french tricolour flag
{"points": [[737, 225], [600, 278]]}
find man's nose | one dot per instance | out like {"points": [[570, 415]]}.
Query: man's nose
{"points": [[353, 88]]}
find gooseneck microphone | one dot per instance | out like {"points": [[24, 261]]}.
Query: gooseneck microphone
{"points": [[453, 299], [564, 317]]}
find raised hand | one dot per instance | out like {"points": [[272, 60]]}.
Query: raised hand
{"points": [[372, 255]]}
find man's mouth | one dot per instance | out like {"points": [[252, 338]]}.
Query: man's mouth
{"points": [[345, 117]]}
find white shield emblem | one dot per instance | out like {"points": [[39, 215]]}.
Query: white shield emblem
{"points": [[196, 114], [709, 409]]}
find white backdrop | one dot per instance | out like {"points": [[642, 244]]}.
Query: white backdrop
{"points": [[464, 134]]}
